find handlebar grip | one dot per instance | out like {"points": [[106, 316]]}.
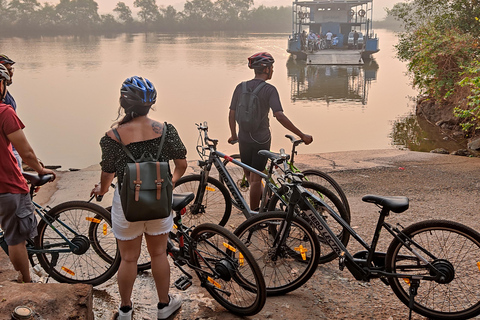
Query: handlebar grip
{"points": [[233, 141], [99, 198]]}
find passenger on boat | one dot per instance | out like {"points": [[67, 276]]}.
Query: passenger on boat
{"points": [[329, 36]]}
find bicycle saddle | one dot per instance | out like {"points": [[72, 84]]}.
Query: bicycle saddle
{"points": [[394, 204], [273, 156], [180, 200], [36, 180]]}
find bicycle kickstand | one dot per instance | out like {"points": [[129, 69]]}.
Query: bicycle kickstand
{"points": [[414, 284]]}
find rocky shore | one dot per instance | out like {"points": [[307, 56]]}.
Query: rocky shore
{"points": [[438, 186]]}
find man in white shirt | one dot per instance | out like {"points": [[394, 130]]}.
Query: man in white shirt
{"points": [[329, 36]]}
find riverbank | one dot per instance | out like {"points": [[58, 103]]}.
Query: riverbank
{"points": [[438, 186]]}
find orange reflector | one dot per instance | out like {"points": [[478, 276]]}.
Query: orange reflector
{"points": [[241, 260], [68, 271], [93, 220], [105, 226], [209, 188], [229, 247], [407, 281], [478, 265], [302, 251], [215, 283]]}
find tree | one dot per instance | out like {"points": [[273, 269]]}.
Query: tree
{"points": [[79, 15], [24, 12], [148, 10], [233, 11], [124, 13]]}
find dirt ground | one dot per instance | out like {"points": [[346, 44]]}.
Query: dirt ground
{"points": [[438, 186]]}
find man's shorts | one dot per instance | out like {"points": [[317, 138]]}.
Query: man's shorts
{"points": [[125, 230], [249, 154], [17, 218]]}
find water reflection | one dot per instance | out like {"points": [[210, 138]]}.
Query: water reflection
{"points": [[331, 82], [416, 134]]}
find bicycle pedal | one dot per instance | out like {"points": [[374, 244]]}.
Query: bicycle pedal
{"points": [[183, 283]]}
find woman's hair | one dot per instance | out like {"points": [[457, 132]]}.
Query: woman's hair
{"points": [[130, 112]]}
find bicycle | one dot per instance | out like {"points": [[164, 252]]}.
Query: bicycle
{"points": [[443, 254], [312, 175], [67, 247], [212, 197], [223, 264]]}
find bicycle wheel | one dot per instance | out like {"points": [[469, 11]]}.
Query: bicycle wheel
{"points": [[103, 231], [456, 249], [87, 263], [215, 206], [285, 266], [227, 270], [238, 176], [328, 182], [332, 201]]}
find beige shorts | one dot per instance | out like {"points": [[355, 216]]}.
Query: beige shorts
{"points": [[125, 230]]}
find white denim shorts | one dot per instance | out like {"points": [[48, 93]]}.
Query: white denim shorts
{"points": [[125, 230]]}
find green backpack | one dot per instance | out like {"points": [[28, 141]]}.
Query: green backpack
{"points": [[248, 112], [146, 188]]}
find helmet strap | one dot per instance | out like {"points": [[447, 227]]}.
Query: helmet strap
{"points": [[3, 87]]}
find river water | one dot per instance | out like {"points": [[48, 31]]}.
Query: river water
{"points": [[67, 90]]}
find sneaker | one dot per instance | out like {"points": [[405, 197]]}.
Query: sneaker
{"points": [[166, 310], [126, 313]]}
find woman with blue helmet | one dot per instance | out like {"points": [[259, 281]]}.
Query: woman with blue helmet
{"points": [[140, 134]]}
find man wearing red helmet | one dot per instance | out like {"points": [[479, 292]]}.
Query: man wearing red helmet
{"points": [[252, 142]]}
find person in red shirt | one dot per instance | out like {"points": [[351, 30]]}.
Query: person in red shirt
{"points": [[16, 209]]}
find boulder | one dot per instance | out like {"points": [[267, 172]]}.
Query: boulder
{"points": [[49, 301]]}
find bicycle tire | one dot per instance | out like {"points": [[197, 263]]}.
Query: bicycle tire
{"points": [[85, 266], [290, 270], [216, 204], [327, 181], [448, 241], [144, 259], [327, 254], [237, 283], [238, 177]]}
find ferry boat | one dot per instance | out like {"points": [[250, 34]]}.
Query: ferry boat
{"points": [[341, 18]]}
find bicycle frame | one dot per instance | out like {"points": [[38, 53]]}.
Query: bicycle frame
{"points": [[361, 269], [41, 211], [214, 158]]}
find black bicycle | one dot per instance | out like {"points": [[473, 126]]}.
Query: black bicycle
{"points": [[72, 237], [223, 264], [214, 198], [432, 266]]}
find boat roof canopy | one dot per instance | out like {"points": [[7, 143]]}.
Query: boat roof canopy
{"points": [[329, 2]]}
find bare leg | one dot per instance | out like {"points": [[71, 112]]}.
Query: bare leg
{"points": [[157, 247], [127, 272], [256, 190], [19, 258]]}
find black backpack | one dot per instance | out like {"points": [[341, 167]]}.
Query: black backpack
{"points": [[248, 112], [146, 186]]}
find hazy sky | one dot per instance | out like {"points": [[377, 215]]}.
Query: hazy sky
{"points": [[106, 6]]}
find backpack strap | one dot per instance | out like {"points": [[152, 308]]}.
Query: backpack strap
{"points": [[129, 154], [162, 140], [259, 87]]}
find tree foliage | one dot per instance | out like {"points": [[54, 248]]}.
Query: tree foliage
{"points": [[81, 16], [440, 42]]}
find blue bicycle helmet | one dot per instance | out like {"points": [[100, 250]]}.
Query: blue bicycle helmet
{"points": [[138, 91]]}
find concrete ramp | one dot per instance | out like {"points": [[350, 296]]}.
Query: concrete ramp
{"points": [[337, 57]]}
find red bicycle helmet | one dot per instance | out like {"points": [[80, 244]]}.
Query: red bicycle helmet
{"points": [[260, 60], [5, 60]]}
